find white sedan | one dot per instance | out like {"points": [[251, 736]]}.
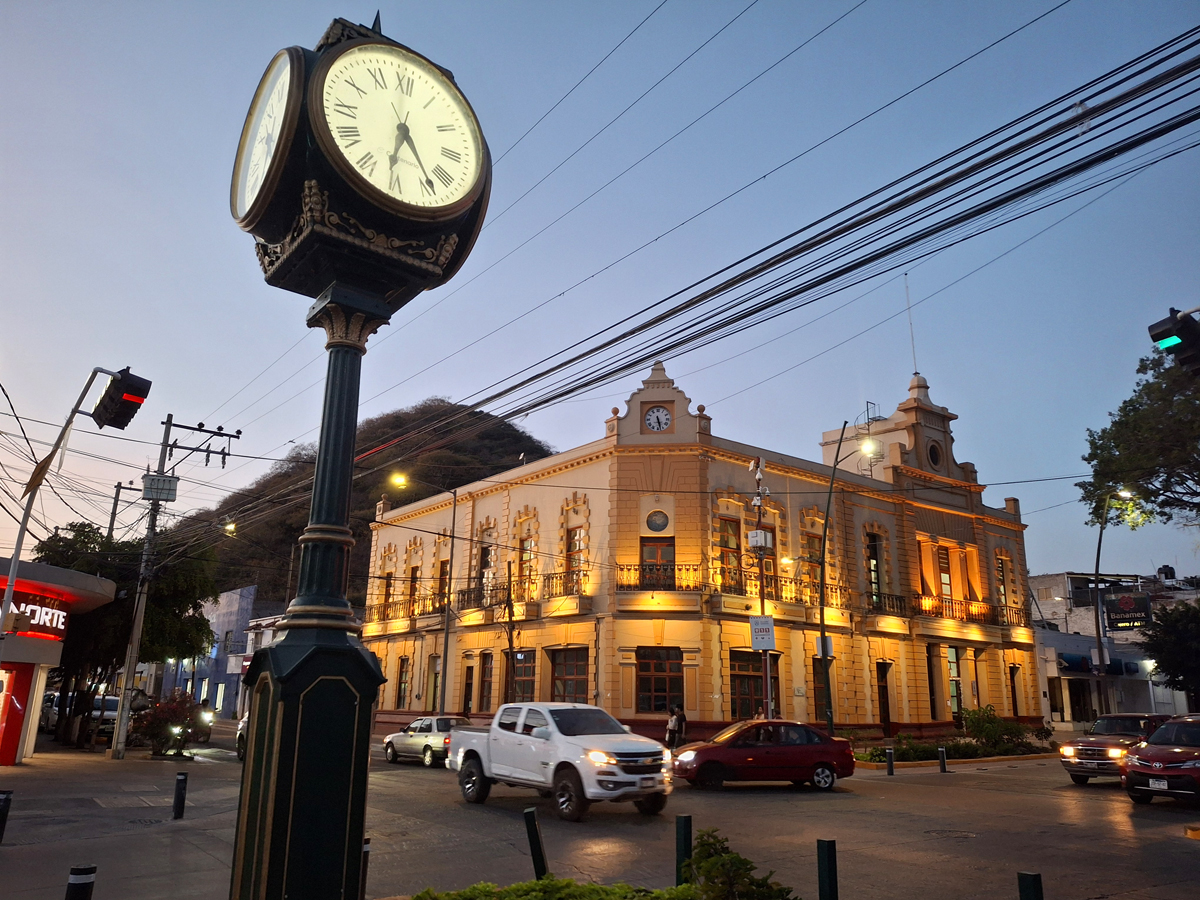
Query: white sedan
{"points": [[425, 739]]}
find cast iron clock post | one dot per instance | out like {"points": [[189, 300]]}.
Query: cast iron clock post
{"points": [[364, 177]]}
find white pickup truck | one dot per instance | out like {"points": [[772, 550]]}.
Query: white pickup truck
{"points": [[572, 752]]}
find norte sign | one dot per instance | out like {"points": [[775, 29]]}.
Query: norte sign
{"points": [[1128, 610], [762, 633]]}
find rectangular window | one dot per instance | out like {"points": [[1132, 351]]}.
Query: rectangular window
{"points": [[387, 587], [468, 690], [485, 682], [746, 683], [943, 561], [570, 675], [875, 564], [729, 542], [523, 675], [1045, 594], [954, 671], [931, 673], [443, 579], [574, 549], [658, 564], [808, 557], [508, 718], [414, 582], [1002, 580], [525, 558], [660, 678], [402, 683]]}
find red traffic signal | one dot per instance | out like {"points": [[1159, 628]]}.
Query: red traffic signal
{"points": [[122, 399]]}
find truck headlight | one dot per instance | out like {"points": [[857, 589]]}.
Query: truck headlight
{"points": [[1067, 751], [600, 758], [1116, 752], [686, 756], [666, 754]]}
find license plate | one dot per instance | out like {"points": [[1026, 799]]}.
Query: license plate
{"points": [[649, 783], [1090, 765], [1158, 784]]}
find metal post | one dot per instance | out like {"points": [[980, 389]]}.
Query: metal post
{"points": [[80, 882], [942, 760], [768, 705], [5, 806], [890, 753], [180, 795], [366, 859], [683, 847], [132, 652], [1029, 885], [536, 850], [828, 698], [827, 878], [449, 598], [1100, 686]]}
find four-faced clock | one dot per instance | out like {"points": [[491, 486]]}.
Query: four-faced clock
{"points": [[398, 130], [265, 146], [658, 418]]}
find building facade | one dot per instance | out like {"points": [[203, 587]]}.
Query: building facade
{"points": [[620, 573]]}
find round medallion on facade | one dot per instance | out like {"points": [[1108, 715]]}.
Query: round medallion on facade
{"points": [[657, 521]]}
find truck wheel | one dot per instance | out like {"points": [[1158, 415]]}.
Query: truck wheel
{"points": [[711, 776], [427, 757], [1080, 779], [474, 784], [652, 805], [389, 753], [823, 777], [569, 799]]}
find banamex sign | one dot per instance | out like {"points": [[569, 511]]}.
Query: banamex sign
{"points": [[762, 633]]}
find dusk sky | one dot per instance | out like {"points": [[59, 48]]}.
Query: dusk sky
{"points": [[119, 130]]}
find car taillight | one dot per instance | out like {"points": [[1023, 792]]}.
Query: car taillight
{"points": [[447, 741]]}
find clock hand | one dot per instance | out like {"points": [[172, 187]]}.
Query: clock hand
{"points": [[401, 137], [417, 156]]}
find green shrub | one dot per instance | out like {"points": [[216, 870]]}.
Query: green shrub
{"points": [[999, 737], [714, 873], [909, 749]]}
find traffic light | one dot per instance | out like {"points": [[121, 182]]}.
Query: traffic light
{"points": [[122, 399], [1179, 335]]}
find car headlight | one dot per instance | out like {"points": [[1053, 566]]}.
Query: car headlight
{"points": [[1116, 752], [686, 756], [600, 758], [1190, 764], [1067, 751], [206, 717], [1133, 761]]}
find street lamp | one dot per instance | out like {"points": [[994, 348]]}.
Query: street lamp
{"points": [[400, 480], [1101, 668]]}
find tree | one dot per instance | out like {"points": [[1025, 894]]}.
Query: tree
{"points": [[1172, 640], [1151, 447]]}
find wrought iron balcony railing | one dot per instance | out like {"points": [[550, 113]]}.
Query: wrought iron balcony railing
{"points": [[563, 584], [975, 611], [888, 604], [1013, 615], [386, 612], [746, 583], [429, 604], [497, 593], [660, 577]]}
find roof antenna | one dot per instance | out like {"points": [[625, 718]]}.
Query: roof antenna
{"points": [[911, 335], [375, 26]]}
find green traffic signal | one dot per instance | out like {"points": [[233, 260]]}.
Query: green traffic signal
{"points": [[1169, 342]]}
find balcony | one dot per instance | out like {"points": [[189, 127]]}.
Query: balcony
{"points": [[564, 584], [1013, 616], [888, 604], [973, 611], [429, 604], [780, 588], [660, 577]]}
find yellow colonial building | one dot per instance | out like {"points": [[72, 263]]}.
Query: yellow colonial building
{"points": [[619, 573]]}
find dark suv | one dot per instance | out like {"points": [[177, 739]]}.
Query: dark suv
{"points": [[1102, 750]]}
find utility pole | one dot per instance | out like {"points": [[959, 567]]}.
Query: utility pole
{"points": [[449, 598], [827, 700], [112, 516], [157, 488], [1101, 665], [760, 548], [511, 667]]}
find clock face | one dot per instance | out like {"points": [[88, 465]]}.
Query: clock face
{"points": [[399, 128], [658, 418], [266, 134]]}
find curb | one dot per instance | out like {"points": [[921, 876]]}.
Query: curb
{"points": [[926, 763]]}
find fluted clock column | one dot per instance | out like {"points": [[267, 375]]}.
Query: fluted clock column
{"points": [[303, 804]]}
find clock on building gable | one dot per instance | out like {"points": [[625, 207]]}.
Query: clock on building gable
{"points": [[659, 412], [361, 163]]}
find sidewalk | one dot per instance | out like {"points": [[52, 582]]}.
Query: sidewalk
{"points": [[77, 808]]}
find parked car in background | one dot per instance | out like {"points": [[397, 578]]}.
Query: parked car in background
{"points": [[572, 752], [425, 739], [771, 750], [239, 743], [1101, 752], [1167, 764], [104, 713]]}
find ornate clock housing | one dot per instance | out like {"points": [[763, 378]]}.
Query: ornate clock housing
{"points": [[264, 154], [657, 418], [394, 172]]}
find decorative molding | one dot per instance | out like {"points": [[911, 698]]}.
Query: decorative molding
{"points": [[342, 330]]}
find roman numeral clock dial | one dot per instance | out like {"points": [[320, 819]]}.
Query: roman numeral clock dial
{"points": [[399, 130]]}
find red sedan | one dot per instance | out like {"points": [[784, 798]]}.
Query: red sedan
{"points": [[1167, 764], [771, 750]]}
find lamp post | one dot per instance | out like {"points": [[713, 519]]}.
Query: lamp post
{"points": [[760, 549], [401, 481], [1100, 664]]}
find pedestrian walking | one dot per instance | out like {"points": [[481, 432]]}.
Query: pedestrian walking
{"points": [[672, 729], [680, 727]]}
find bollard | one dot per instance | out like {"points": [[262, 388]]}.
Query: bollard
{"points": [[362, 875], [180, 795], [1029, 885], [536, 850], [827, 882], [942, 760], [5, 805], [80, 882], [891, 759], [683, 847]]}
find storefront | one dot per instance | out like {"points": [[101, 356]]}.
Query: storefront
{"points": [[44, 599]]}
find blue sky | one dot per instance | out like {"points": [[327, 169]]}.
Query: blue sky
{"points": [[117, 144]]}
